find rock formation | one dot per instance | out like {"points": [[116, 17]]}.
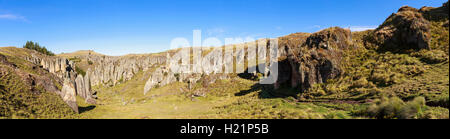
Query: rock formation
{"points": [[111, 70], [68, 94], [304, 59], [83, 88], [406, 29], [64, 69], [312, 59], [61, 67], [160, 77]]}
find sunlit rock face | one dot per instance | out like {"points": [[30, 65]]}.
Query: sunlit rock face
{"points": [[68, 94], [312, 58], [406, 29], [74, 83], [111, 70]]}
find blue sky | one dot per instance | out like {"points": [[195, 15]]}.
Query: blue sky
{"points": [[117, 27]]}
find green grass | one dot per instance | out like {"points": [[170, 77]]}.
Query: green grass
{"points": [[368, 74], [376, 83], [174, 101], [19, 102], [80, 71]]}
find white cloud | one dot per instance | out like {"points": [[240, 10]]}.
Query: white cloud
{"points": [[362, 28], [12, 17]]}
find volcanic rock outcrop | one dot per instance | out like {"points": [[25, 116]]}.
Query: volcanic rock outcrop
{"points": [[68, 94], [64, 69], [406, 29], [111, 70], [312, 59]]}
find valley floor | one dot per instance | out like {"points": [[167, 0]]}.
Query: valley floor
{"points": [[234, 98], [224, 99]]}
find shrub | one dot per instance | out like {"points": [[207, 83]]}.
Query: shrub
{"points": [[35, 46], [360, 83], [384, 79]]}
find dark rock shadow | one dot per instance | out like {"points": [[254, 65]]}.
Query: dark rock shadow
{"points": [[85, 109], [267, 91]]}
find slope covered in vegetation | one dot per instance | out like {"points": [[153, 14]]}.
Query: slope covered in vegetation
{"points": [[26, 90], [398, 71]]}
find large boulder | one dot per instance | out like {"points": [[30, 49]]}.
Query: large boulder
{"points": [[313, 59], [404, 30]]}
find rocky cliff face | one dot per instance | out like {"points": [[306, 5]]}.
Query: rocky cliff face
{"points": [[74, 83], [304, 59], [211, 63], [61, 67], [406, 29], [312, 59], [68, 94], [111, 70]]}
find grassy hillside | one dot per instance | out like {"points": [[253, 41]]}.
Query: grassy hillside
{"points": [[23, 92], [398, 71]]}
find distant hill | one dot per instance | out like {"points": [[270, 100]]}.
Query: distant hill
{"points": [[80, 53]]}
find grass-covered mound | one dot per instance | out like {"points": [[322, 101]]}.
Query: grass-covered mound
{"points": [[384, 62]]}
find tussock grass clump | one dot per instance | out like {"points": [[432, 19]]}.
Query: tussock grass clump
{"points": [[441, 101], [395, 108], [432, 56]]}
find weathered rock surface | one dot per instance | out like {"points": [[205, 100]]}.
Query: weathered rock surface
{"points": [[112, 70], [61, 67], [64, 69], [406, 29], [160, 77], [304, 59], [83, 88], [210, 64], [68, 94], [312, 59]]}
